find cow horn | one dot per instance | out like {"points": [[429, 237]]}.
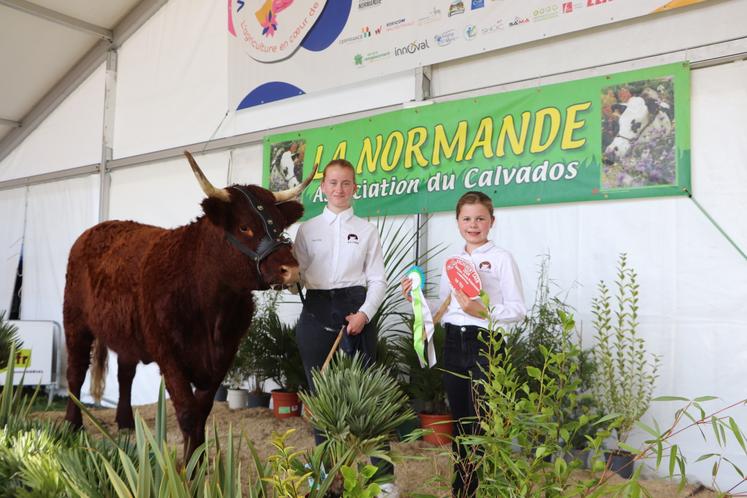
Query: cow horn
{"points": [[291, 193], [207, 187]]}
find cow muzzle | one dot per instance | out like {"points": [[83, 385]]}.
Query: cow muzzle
{"points": [[289, 274]]}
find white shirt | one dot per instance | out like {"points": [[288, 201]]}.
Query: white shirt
{"points": [[500, 280], [342, 250]]}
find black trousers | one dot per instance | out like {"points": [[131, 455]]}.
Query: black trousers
{"points": [[464, 355], [323, 315]]}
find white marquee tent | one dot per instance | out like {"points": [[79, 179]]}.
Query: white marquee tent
{"points": [[108, 146]]}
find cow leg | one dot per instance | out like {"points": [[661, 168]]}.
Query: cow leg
{"points": [[78, 340], [125, 374], [185, 405], [204, 399]]}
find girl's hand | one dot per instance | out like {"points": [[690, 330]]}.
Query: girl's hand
{"points": [[473, 307], [406, 288]]}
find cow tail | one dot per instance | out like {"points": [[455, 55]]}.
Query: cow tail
{"points": [[98, 369]]}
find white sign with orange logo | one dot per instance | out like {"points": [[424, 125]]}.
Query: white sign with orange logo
{"points": [[271, 30]]}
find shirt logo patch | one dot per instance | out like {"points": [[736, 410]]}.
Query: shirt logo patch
{"points": [[352, 238], [486, 266]]}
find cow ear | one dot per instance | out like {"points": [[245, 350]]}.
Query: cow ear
{"points": [[292, 210], [218, 212], [652, 105], [619, 108]]}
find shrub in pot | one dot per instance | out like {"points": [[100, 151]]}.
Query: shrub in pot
{"points": [[280, 361], [425, 386], [626, 374]]}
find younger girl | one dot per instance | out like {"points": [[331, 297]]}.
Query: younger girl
{"points": [[465, 318]]}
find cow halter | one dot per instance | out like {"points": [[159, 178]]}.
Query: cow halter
{"points": [[271, 241]]}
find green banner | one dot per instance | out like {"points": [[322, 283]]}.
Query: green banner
{"points": [[620, 136]]}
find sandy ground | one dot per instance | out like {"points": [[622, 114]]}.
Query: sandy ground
{"points": [[424, 469]]}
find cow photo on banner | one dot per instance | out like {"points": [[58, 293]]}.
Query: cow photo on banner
{"points": [[618, 136]]}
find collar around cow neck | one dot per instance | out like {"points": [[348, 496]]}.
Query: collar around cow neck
{"points": [[272, 239]]}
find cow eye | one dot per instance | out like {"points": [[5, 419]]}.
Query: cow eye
{"points": [[245, 229]]}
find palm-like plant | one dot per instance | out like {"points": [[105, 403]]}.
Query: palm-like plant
{"points": [[8, 337], [392, 319], [356, 407]]}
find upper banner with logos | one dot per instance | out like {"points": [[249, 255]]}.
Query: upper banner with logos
{"points": [[284, 48], [620, 136]]}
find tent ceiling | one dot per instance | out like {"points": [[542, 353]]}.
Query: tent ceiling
{"points": [[48, 47]]}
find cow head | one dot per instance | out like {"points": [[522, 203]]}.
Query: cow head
{"points": [[253, 220], [634, 116]]}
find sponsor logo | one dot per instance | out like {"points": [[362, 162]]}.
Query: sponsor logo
{"points": [[492, 28], [569, 7], [351, 39], [398, 24], [366, 31], [411, 48], [545, 13], [470, 32], [477, 4], [485, 265], [518, 20], [445, 38], [352, 238], [361, 60], [456, 7], [364, 4], [592, 3], [432, 16]]}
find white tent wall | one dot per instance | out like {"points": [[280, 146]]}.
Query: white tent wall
{"points": [[12, 217], [69, 137], [57, 214], [172, 79]]}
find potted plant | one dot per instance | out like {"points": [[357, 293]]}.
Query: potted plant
{"points": [[426, 386], [625, 376], [236, 395], [256, 345], [357, 408], [280, 361]]}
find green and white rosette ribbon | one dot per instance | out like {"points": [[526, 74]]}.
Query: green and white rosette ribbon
{"points": [[422, 328]]}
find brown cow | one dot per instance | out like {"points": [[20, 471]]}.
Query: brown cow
{"points": [[180, 297]]}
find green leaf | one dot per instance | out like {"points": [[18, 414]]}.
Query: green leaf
{"points": [[737, 433], [672, 459], [534, 372], [646, 428], [670, 398], [705, 398]]}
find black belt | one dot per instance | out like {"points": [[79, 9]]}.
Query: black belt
{"points": [[331, 306], [463, 329]]}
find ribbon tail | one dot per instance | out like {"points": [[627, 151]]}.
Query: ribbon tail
{"points": [[429, 331], [418, 327]]}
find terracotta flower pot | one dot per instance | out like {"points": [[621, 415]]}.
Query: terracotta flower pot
{"points": [[285, 404], [442, 427]]}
